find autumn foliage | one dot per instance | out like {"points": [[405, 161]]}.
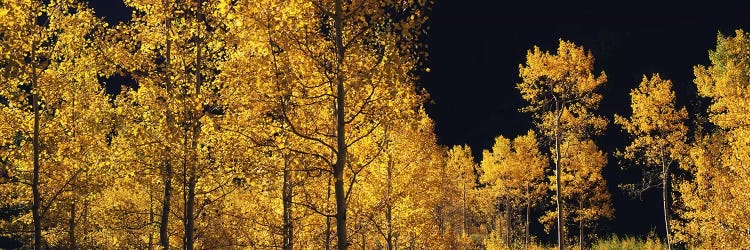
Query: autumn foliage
{"points": [[256, 124]]}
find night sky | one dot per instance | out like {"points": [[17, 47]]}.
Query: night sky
{"points": [[476, 46]]}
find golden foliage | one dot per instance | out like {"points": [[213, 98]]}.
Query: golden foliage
{"points": [[562, 86], [718, 160]]}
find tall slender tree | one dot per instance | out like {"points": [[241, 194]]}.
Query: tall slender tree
{"points": [[586, 197], [659, 137], [460, 161], [561, 93]]}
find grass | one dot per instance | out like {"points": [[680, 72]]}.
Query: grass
{"points": [[629, 243], [613, 242]]}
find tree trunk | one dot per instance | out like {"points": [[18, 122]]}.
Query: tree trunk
{"points": [[580, 227], [72, 217], [72, 226], [528, 214], [665, 198], [340, 131], [193, 175], [185, 196], [388, 207], [37, 202], [85, 221], [389, 229], [150, 216], [463, 208], [580, 234], [558, 166], [164, 221], [286, 197], [507, 222], [166, 200], [340, 209], [327, 243], [190, 217]]}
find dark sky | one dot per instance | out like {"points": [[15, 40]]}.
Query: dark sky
{"points": [[476, 47]]}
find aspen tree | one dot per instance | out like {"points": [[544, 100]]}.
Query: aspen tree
{"points": [[560, 89], [659, 137]]}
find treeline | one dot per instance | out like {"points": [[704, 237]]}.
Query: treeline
{"points": [[300, 124], [698, 161]]}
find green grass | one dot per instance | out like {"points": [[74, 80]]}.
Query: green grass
{"points": [[613, 242], [628, 243]]}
